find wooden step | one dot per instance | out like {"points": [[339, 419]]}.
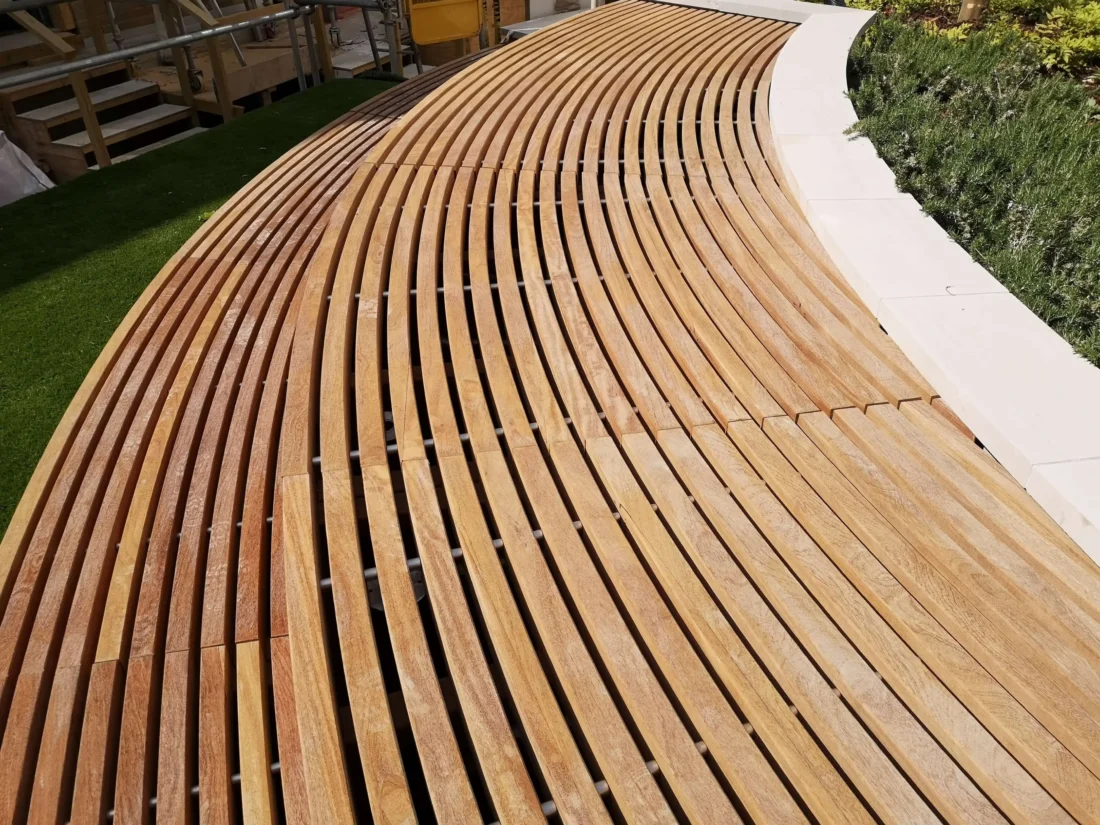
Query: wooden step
{"points": [[13, 94], [127, 127], [146, 149], [67, 110]]}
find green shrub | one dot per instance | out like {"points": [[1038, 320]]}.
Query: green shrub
{"points": [[1069, 37], [1063, 34], [947, 9], [1005, 157]]}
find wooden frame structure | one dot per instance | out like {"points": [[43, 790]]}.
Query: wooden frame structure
{"points": [[67, 152], [520, 454], [77, 79]]}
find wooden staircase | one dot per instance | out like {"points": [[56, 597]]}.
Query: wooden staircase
{"points": [[46, 120], [92, 118], [72, 155]]}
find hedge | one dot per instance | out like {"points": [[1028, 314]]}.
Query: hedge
{"points": [[1004, 155]]}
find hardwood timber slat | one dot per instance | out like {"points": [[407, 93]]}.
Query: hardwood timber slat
{"points": [[512, 449]]}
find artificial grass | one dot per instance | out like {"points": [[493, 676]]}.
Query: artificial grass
{"points": [[73, 260], [1003, 155]]}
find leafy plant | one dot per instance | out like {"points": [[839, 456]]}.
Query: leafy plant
{"points": [[1069, 37], [1003, 155], [1064, 34]]}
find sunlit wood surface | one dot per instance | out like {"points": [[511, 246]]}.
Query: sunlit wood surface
{"points": [[511, 451]]}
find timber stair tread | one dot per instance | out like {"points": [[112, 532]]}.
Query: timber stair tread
{"points": [[176, 138], [67, 110], [35, 88], [127, 127]]}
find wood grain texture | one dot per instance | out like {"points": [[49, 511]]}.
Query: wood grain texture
{"points": [[511, 449]]}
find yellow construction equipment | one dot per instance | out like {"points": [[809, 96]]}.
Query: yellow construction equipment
{"points": [[434, 21]]}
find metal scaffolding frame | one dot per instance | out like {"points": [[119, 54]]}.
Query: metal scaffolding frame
{"points": [[174, 37], [390, 10], [81, 64]]}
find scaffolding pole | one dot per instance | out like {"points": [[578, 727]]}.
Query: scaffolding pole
{"points": [[59, 69]]}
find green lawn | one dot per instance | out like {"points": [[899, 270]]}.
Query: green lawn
{"points": [[74, 259]]}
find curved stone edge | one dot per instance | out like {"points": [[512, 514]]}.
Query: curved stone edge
{"points": [[1030, 400], [790, 11]]}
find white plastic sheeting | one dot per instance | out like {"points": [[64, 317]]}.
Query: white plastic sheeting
{"points": [[19, 176]]}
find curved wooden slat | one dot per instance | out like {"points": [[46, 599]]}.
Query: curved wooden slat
{"points": [[512, 449]]}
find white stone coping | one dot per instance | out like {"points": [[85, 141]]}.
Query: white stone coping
{"points": [[1016, 383], [792, 11], [526, 27]]}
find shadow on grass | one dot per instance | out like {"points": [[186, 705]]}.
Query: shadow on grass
{"points": [[73, 260]]}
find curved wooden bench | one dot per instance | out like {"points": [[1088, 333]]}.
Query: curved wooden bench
{"points": [[511, 449]]}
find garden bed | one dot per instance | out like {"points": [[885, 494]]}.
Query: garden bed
{"points": [[1062, 35], [1001, 151]]}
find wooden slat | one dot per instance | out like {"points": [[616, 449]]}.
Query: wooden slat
{"points": [[503, 772], [511, 449], [86, 599], [544, 724], [323, 763], [254, 732], [833, 800], [1007, 648], [959, 733], [198, 11], [987, 699], [1064, 620]]}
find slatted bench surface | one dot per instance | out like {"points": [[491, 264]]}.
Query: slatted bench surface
{"points": [[511, 451]]}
